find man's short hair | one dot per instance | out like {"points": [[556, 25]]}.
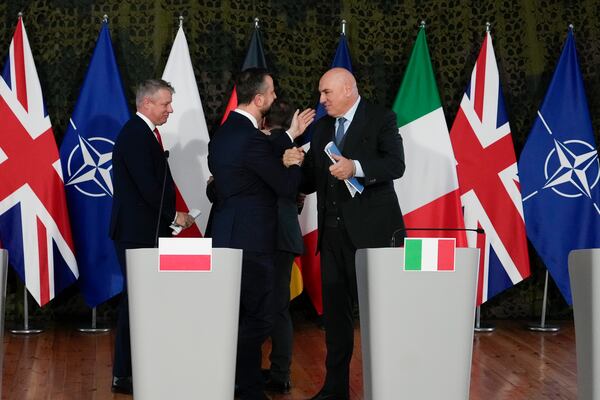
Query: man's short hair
{"points": [[149, 87], [250, 83], [280, 115]]}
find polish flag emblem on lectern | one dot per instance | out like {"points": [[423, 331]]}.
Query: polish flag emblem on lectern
{"points": [[184, 254]]}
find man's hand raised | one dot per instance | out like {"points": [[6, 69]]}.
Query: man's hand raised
{"points": [[300, 122]]}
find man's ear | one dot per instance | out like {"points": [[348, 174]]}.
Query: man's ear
{"points": [[258, 100]]}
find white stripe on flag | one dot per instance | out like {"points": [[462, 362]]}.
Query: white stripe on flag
{"points": [[429, 254]]}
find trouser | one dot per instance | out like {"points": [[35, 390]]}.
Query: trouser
{"points": [[255, 322], [283, 331], [122, 361], [338, 275]]}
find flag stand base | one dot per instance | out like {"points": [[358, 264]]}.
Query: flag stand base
{"points": [[542, 326], [535, 327], [479, 327], [484, 328], [26, 330], [93, 328]]}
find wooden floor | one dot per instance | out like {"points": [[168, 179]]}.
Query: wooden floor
{"points": [[511, 363]]}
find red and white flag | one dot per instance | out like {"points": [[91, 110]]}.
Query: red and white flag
{"points": [[184, 254], [185, 135], [488, 179], [34, 222]]}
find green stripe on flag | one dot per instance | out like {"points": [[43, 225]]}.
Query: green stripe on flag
{"points": [[412, 254], [418, 94]]}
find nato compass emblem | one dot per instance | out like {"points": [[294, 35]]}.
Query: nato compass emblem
{"points": [[89, 166], [571, 169]]}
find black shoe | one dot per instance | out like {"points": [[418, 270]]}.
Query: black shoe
{"points": [[275, 386], [122, 385]]}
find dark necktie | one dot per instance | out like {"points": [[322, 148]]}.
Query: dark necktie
{"points": [[159, 138], [339, 134]]}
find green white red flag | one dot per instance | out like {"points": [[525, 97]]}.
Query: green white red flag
{"points": [[429, 254], [428, 192]]}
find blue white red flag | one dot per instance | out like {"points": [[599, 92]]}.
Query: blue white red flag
{"points": [[488, 179], [34, 222], [310, 264], [86, 155], [560, 171]]}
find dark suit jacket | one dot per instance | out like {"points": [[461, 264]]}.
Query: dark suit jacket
{"points": [[289, 235], [139, 166], [373, 139], [249, 178]]}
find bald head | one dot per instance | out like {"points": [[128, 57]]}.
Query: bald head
{"points": [[338, 91]]}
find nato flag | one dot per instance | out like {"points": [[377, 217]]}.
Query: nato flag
{"points": [[86, 155], [559, 172]]}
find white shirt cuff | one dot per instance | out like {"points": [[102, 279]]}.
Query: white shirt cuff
{"points": [[290, 136], [359, 171]]}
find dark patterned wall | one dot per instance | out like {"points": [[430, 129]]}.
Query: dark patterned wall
{"points": [[300, 38]]}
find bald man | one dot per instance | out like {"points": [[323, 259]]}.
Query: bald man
{"points": [[372, 151]]}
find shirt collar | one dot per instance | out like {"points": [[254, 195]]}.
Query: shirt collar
{"points": [[349, 116], [247, 115], [146, 120]]}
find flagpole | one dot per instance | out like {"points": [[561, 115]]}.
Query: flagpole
{"points": [[93, 327], [26, 330], [542, 327], [483, 327]]}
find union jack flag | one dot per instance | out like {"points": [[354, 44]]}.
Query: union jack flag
{"points": [[34, 223], [488, 179]]}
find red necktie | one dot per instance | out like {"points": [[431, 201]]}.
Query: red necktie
{"points": [[159, 138]]}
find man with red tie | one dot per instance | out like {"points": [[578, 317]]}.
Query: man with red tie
{"points": [[143, 200]]}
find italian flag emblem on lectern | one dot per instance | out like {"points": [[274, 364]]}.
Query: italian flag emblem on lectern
{"points": [[429, 254]]}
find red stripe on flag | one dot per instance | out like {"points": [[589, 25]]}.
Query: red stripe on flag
{"points": [[43, 254], [231, 105], [186, 262], [480, 80], [443, 212], [481, 247], [446, 255], [19, 57], [311, 271]]}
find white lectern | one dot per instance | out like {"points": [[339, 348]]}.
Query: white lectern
{"points": [[584, 272], [183, 327], [416, 326], [3, 272]]}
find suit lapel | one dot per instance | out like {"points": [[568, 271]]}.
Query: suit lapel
{"points": [[353, 134]]}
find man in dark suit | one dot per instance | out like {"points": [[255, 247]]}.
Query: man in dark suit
{"points": [[372, 151], [289, 245], [248, 180], [143, 200]]}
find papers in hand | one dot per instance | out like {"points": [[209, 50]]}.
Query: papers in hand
{"points": [[176, 229], [352, 184]]}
